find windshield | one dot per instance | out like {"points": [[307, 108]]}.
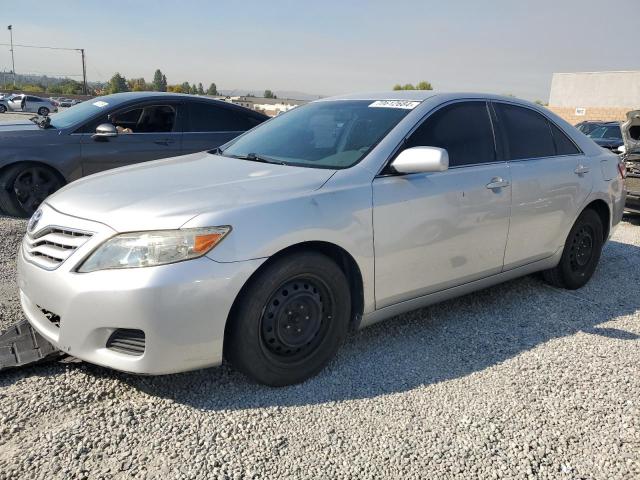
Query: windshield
{"points": [[607, 132], [77, 114], [332, 134]]}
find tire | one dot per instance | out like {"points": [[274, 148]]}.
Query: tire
{"points": [[290, 320], [581, 253], [43, 111], [3, 109], [23, 187]]}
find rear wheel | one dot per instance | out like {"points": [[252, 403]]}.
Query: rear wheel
{"points": [[581, 253], [43, 111], [3, 109], [290, 320], [24, 187]]}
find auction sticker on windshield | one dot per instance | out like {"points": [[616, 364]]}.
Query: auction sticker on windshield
{"points": [[404, 104]]}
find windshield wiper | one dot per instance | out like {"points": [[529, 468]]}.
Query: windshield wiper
{"points": [[256, 158]]}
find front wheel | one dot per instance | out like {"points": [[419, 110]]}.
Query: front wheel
{"points": [[581, 253], [43, 111], [24, 187], [290, 319], [3, 109]]}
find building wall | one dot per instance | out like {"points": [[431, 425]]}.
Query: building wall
{"points": [[604, 114], [595, 89]]}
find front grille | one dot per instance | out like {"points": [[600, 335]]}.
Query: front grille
{"points": [[53, 245], [127, 340], [52, 317]]}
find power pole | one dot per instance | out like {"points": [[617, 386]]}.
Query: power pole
{"points": [[84, 72], [13, 63]]}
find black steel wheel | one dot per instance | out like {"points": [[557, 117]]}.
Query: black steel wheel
{"points": [[296, 318], [581, 253], [24, 187], [289, 320], [3, 109]]}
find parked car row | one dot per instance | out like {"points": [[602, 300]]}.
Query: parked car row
{"points": [[268, 249], [27, 103]]}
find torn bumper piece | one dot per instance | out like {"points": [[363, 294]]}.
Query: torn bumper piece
{"points": [[21, 345]]}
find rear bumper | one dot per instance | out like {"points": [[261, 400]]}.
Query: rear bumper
{"points": [[181, 308]]}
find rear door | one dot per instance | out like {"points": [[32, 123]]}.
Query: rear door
{"points": [[551, 179], [147, 131], [438, 230], [211, 124]]}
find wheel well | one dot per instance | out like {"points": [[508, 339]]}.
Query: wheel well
{"points": [[602, 209], [57, 173], [339, 255]]}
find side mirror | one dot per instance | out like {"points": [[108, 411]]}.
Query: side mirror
{"points": [[105, 130], [421, 160]]}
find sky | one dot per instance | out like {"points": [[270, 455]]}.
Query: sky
{"points": [[327, 47]]}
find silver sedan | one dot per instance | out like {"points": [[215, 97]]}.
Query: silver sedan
{"points": [[27, 103], [333, 216]]}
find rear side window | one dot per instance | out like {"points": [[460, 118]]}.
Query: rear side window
{"points": [[463, 129], [527, 132], [564, 145], [213, 118]]}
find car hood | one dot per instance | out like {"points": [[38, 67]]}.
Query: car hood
{"points": [[167, 193], [608, 142], [13, 134], [631, 132]]}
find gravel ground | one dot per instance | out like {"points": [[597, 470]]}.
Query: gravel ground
{"points": [[517, 381]]}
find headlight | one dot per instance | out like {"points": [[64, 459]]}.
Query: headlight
{"points": [[148, 249]]}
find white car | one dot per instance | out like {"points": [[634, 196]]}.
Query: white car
{"points": [[28, 103]]}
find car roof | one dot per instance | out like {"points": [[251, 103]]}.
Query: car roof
{"points": [[422, 95], [116, 99]]}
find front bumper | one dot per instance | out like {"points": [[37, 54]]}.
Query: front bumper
{"points": [[182, 309]]}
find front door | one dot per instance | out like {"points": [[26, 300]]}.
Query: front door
{"points": [[437, 230], [145, 132]]}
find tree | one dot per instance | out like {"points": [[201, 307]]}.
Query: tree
{"points": [[185, 87], [269, 94], [175, 89], [159, 82], [193, 90], [138, 85], [212, 90], [117, 84], [200, 89], [424, 85]]}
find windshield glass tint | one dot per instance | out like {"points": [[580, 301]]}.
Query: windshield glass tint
{"points": [[331, 134], [74, 115]]}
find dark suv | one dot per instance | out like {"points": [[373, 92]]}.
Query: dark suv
{"points": [[607, 135], [38, 157]]}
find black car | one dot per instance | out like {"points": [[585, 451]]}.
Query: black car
{"points": [[608, 135], [38, 157], [589, 126]]}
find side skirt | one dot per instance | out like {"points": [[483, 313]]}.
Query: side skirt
{"points": [[442, 295]]}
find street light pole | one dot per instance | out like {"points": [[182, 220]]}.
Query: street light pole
{"points": [[13, 63], [84, 72]]}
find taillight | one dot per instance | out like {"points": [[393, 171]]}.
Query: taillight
{"points": [[622, 170]]}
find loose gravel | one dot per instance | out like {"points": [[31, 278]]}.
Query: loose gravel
{"points": [[517, 381]]}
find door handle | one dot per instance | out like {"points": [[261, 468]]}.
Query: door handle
{"points": [[497, 182], [581, 170]]}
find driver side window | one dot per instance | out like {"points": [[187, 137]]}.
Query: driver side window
{"points": [[139, 119]]}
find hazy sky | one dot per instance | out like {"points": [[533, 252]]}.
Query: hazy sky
{"points": [[329, 47]]}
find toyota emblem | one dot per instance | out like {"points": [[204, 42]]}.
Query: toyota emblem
{"points": [[33, 221]]}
